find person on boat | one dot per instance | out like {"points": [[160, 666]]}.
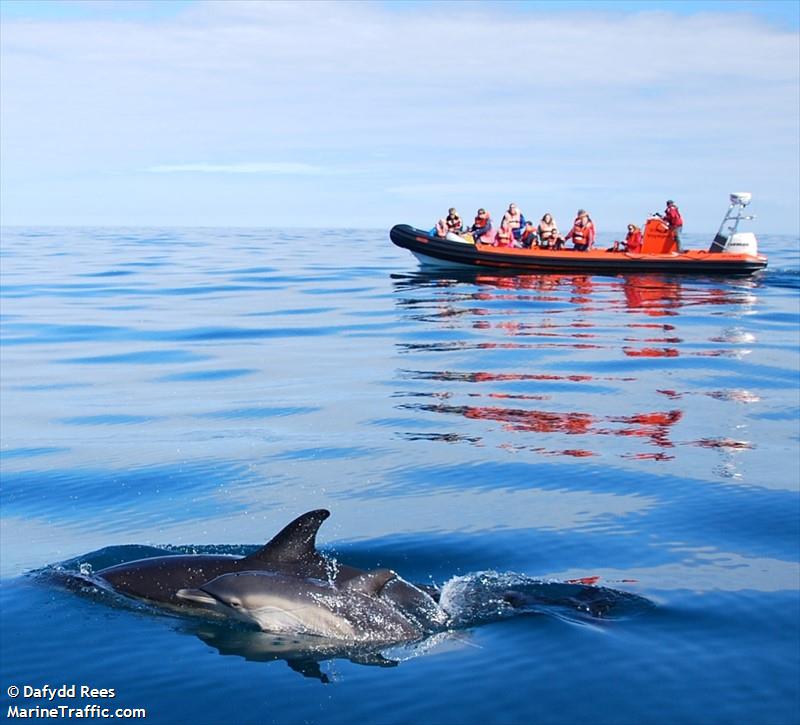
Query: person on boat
{"points": [[674, 221], [632, 243], [482, 225], [549, 236], [454, 223], [582, 233], [440, 230], [505, 235], [529, 237], [515, 219]]}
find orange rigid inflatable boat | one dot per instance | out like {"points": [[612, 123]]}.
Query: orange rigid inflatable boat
{"points": [[730, 253]]}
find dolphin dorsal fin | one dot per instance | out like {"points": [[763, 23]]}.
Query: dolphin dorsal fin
{"points": [[294, 544], [371, 582]]}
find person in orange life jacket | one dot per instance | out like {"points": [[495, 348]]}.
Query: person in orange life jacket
{"points": [[515, 219], [505, 235], [582, 233], [482, 224], [529, 237], [633, 241], [454, 223], [674, 220]]}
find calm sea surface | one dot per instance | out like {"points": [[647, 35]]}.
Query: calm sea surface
{"points": [[197, 389]]}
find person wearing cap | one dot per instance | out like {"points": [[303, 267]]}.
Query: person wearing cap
{"points": [[582, 233], [482, 224], [673, 219]]}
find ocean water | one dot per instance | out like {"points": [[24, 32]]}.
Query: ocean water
{"points": [[196, 389]]}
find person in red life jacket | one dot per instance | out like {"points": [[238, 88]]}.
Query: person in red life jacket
{"points": [[674, 221], [454, 223], [633, 241], [529, 237], [505, 235], [482, 225], [582, 233], [515, 219]]}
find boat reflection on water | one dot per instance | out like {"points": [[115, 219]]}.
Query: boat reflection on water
{"points": [[655, 297], [545, 356], [654, 426]]}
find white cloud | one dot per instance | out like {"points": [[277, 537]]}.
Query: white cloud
{"points": [[474, 96], [283, 168]]}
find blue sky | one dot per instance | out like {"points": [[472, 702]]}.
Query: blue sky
{"points": [[228, 113]]}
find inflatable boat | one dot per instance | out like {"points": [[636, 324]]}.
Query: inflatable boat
{"points": [[730, 253]]}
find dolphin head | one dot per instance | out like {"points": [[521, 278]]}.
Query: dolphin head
{"points": [[276, 602], [248, 596]]}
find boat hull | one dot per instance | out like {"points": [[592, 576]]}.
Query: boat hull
{"points": [[435, 251]]}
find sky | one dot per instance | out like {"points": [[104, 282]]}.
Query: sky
{"points": [[367, 114]]}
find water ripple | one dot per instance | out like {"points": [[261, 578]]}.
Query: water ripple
{"points": [[196, 389]]}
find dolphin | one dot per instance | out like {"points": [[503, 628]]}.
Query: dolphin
{"points": [[293, 549], [355, 610], [291, 552]]}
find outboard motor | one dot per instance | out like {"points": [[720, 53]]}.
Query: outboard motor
{"points": [[729, 240]]}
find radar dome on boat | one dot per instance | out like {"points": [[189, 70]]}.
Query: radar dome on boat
{"points": [[741, 197]]}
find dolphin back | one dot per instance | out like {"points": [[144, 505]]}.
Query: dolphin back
{"points": [[293, 547]]}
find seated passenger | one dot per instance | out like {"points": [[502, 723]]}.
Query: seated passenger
{"points": [[482, 225], [549, 236], [633, 241], [582, 233], [505, 235], [529, 238], [515, 220], [440, 230], [454, 223]]}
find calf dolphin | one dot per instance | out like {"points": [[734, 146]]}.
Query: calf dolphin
{"points": [[291, 552], [359, 609]]}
